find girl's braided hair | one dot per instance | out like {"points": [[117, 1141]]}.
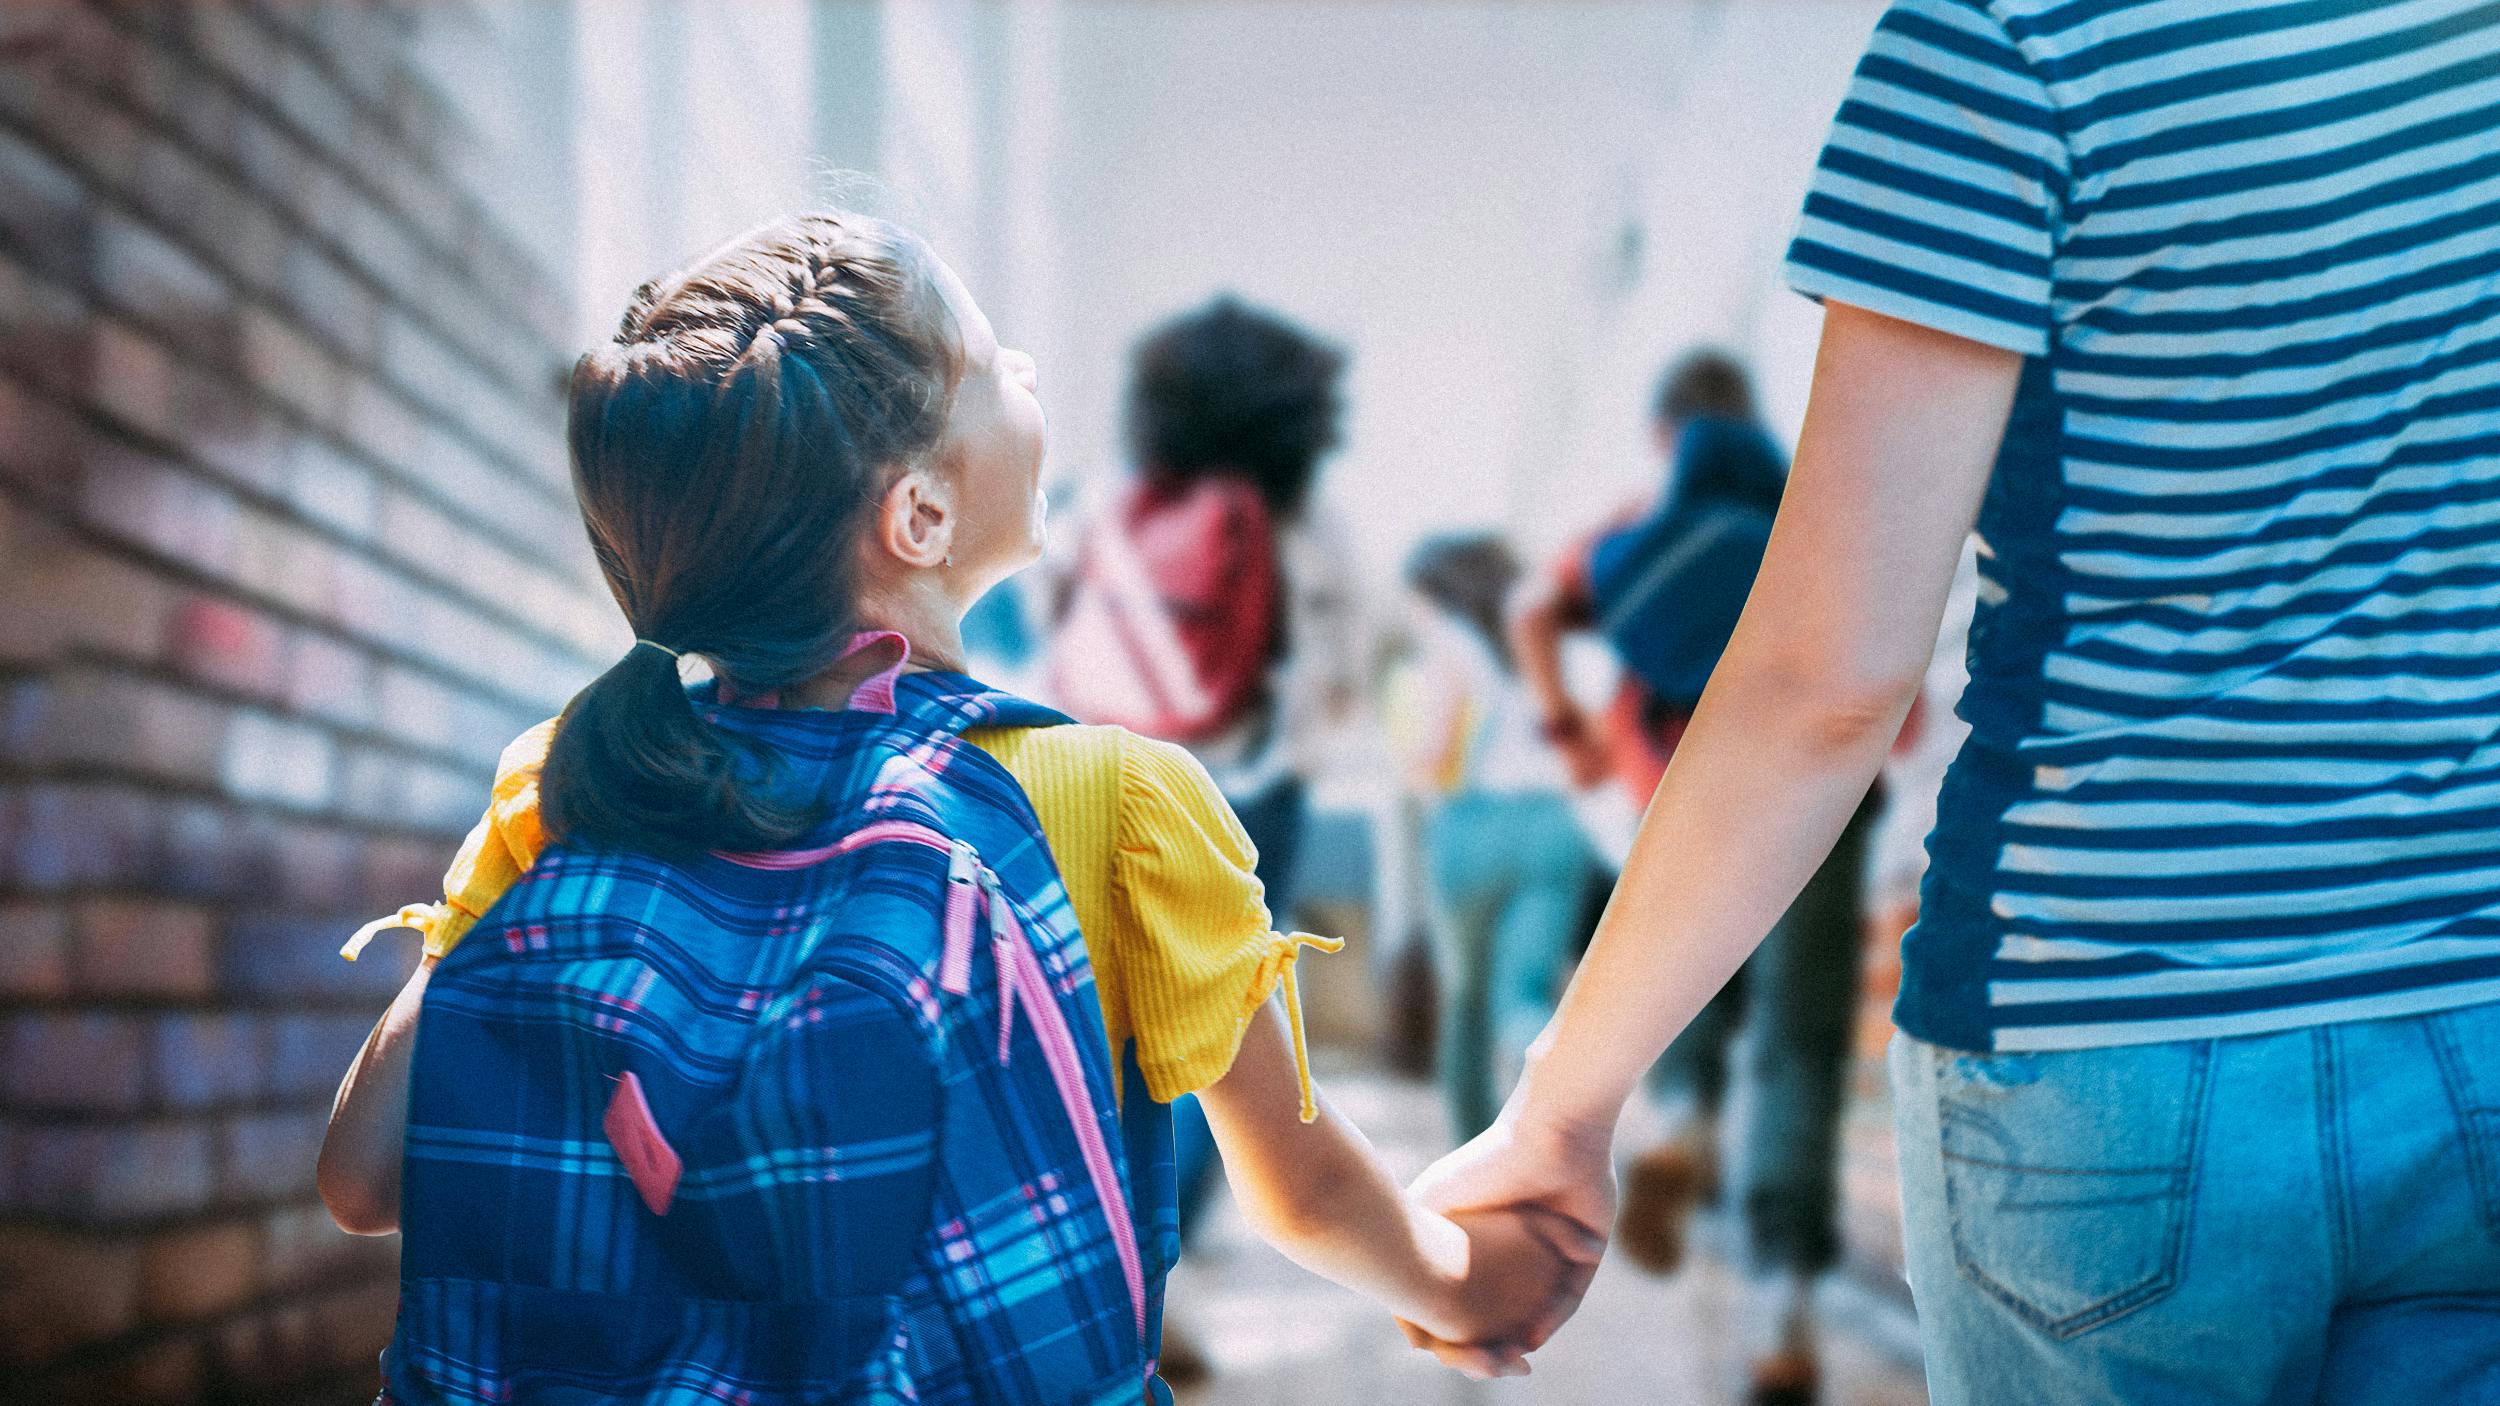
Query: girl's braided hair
{"points": [[727, 448]]}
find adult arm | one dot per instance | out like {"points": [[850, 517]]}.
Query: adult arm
{"points": [[1900, 436]]}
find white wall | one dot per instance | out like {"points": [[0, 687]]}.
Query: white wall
{"points": [[694, 124], [1451, 189]]}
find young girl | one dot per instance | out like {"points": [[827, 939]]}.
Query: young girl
{"points": [[889, 490], [1509, 865]]}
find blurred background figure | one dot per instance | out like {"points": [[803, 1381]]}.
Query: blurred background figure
{"points": [[1210, 606], [1663, 589], [1507, 864]]}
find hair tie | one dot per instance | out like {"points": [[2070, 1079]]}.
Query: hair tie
{"points": [[639, 642]]}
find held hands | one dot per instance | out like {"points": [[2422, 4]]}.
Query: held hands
{"points": [[1537, 1205]]}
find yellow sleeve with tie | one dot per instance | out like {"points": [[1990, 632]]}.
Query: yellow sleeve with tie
{"points": [[1163, 882], [1159, 873]]}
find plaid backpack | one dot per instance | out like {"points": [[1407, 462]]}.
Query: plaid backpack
{"points": [[831, 1124]]}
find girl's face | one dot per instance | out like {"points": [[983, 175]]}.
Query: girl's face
{"points": [[992, 453]]}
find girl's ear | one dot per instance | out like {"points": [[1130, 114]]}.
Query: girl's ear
{"points": [[916, 521]]}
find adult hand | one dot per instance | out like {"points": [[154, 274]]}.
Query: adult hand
{"points": [[1562, 1181]]}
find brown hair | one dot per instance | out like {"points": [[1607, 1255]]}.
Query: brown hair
{"points": [[1470, 575], [1705, 384], [727, 448]]}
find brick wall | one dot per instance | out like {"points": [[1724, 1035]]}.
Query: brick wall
{"points": [[286, 555]]}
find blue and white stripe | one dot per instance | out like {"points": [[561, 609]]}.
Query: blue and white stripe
{"points": [[2235, 699]]}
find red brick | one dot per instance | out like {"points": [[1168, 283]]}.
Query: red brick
{"points": [[372, 602], [391, 788], [132, 377], [148, 1375], [285, 561], [208, 1061], [158, 284], [335, 307], [42, 202], [309, 1054], [266, 1155], [213, 851], [228, 38], [301, 1244], [271, 759], [254, 1356], [119, 1172], [141, 947], [329, 680], [38, 440], [73, 835], [227, 428], [313, 103], [34, 949], [46, 326], [273, 161], [103, 719], [383, 424], [232, 645], [198, 1271], [417, 707], [146, 500], [294, 957], [60, 1290], [353, 1326], [404, 871], [320, 868], [73, 1063], [333, 489], [79, 597], [282, 363]]}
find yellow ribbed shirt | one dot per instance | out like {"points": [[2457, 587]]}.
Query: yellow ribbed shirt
{"points": [[1159, 872]]}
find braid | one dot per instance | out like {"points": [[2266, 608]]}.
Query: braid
{"points": [[726, 446]]}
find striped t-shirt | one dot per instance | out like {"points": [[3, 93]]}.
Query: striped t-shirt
{"points": [[2235, 677]]}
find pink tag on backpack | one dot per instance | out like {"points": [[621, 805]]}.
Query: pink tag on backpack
{"points": [[653, 1165]]}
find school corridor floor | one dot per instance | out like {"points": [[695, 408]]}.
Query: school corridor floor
{"points": [[1279, 1337]]}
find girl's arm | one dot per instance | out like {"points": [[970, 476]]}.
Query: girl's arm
{"points": [[1318, 1193], [360, 1155], [1899, 440]]}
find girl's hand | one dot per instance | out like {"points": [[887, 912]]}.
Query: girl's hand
{"points": [[1559, 1185], [1526, 1272]]}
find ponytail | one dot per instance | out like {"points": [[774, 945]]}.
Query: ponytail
{"points": [[727, 447], [633, 760]]}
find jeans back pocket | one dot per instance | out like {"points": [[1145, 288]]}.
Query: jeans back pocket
{"points": [[2068, 1177]]}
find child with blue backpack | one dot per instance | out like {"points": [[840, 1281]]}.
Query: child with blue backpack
{"points": [[814, 1030]]}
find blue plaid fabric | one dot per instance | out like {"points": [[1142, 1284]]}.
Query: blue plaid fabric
{"points": [[871, 1205]]}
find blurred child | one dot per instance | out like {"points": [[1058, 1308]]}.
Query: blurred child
{"points": [[1508, 864]]}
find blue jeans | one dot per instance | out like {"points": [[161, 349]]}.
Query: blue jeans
{"points": [[1509, 876], [2304, 1217]]}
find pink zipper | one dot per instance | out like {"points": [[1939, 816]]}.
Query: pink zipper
{"points": [[1021, 971]]}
